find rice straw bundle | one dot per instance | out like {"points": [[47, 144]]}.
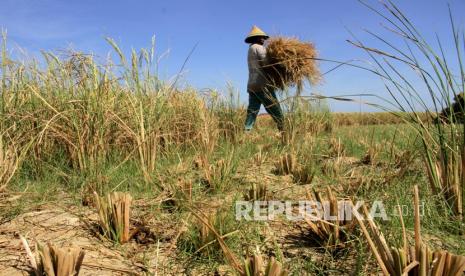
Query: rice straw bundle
{"points": [[291, 62]]}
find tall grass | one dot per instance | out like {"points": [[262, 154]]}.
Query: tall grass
{"points": [[422, 76], [74, 108]]}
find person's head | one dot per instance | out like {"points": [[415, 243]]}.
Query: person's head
{"points": [[256, 36]]}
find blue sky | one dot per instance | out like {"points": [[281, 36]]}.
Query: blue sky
{"points": [[219, 28]]}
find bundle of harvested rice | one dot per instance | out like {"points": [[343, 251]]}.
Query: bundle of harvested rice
{"points": [[291, 62]]}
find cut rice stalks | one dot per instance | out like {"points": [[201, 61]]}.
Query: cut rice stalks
{"points": [[305, 174], [417, 260], [260, 157], [232, 259], [51, 260], [330, 234], [206, 237], [286, 164], [56, 261], [254, 266], [336, 148], [447, 177], [114, 212], [258, 191], [216, 175]]}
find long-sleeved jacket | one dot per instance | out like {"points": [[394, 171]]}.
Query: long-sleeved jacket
{"points": [[256, 59]]}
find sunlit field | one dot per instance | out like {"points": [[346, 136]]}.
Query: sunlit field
{"points": [[107, 169]]}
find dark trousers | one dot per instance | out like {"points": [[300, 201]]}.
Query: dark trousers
{"points": [[271, 104]]}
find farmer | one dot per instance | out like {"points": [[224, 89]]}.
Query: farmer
{"points": [[259, 89]]}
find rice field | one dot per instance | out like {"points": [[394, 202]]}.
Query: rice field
{"points": [[106, 169], [184, 161]]}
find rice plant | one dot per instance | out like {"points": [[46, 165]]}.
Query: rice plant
{"points": [[304, 117], [434, 77], [333, 235], [86, 112], [336, 148], [372, 153], [306, 171], [229, 112], [11, 157]]}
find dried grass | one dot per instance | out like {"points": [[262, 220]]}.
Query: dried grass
{"points": [[291, 62]]}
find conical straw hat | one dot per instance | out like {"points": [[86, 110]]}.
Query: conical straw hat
{"points": [[256, 31]]}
